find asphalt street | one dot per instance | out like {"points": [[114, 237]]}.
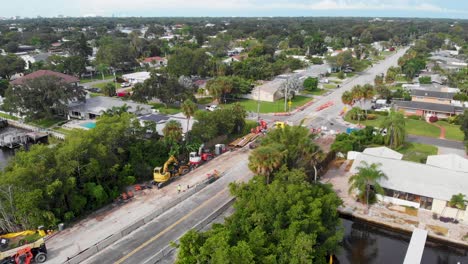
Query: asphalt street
{"points": [[143, 245]]}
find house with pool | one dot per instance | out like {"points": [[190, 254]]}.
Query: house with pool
{"points": [[427, 186], [95, 106]]}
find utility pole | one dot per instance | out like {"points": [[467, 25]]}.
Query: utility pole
{"points": [[286, 96], [258, 103]]}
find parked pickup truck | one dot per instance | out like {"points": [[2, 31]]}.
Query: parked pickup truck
{"points": [[211, 107]]}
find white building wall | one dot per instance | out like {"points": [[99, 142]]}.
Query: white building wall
{"points": [[388, 199], [438, 206]]}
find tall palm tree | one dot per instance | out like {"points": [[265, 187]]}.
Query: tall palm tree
{"points": [[347, 98], [188, 108], [367, 176], [357, 93], [172, 131], [265, 160], [367, 92], [394, 123]]}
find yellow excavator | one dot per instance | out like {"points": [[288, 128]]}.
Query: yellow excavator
{"points": [[169, 171]]}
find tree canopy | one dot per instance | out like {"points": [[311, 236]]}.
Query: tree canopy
{"points": [[287, 221]]}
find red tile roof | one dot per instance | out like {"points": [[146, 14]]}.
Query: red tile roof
{"points": [[66, 78], [151, 59]]}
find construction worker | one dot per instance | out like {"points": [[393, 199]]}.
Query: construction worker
{"points": [[179, 188]]}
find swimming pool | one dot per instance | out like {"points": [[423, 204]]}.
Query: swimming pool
{"points": [[88, 125]]}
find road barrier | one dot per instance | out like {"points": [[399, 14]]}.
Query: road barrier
{"points": [[104, 243]]}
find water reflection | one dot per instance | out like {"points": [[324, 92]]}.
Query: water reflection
{"points": [[364, 243]]}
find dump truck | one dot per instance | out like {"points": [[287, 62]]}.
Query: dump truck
{"points": [[169, 171]]}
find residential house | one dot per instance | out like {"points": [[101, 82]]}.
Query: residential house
{"points": [[430, 103], [64, 77], [161, 121], [154, 62], [95, 106], [136, 77], [427, 186]]}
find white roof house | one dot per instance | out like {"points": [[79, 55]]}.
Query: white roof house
{"points": [[416, 178], [161, 121], [448, 161], [383, 152], [136, 77]]}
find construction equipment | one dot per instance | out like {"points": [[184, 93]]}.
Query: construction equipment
{"points": [[261, 128], [170, 170], [241, 142], [197, 158], [25, 253]]}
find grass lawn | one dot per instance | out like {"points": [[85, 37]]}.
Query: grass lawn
{"points": [[205, 100], [315, 92], [169, 110], [95, 94], [8, 116], [400, 78], [272, 107], [417, 152], [102, 85], [46, 123], [98, 78], [413, 127], [421, 128], [62, 130], [452, 132], [386, 53], [329, 86]]}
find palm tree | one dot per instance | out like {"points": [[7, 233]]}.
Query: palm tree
{"points": [[458, 201], [172, 131], [347, 98], [188, 108], [368, 93], [394, 123], [367, 176], [357, 93], [265, 160]]}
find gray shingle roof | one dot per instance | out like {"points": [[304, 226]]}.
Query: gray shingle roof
{"points": [[435, 94], [442, 108]]}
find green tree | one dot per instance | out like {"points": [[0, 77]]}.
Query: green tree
{"points": [[188, 108], [11, 64], [310, 84], [3, 87], [366, 182], [347, 98], [286, 221], [458, 201], [394, 124], [109, 89], [265, 160], [172, 131], [42, 97]]}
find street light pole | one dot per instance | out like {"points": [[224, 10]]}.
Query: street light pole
{"points": [[258, 103]]}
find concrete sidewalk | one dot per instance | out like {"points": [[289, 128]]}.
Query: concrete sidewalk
{"points": [[100, 225]]}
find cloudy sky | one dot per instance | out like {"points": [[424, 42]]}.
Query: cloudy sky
{"points": [[368, 8]]}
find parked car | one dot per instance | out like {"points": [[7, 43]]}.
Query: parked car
{"points": [[125, 84], [211, 107]]}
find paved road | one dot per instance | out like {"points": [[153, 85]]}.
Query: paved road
{"points": [[142, 245], [436, 142]]}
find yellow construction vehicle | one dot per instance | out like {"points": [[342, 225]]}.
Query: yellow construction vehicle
{"points": [[169, 171], [25, 246]]}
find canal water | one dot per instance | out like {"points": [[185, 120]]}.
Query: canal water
{"points": [[5, 153], [365, 243]]}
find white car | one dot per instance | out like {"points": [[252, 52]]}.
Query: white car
{"points": [[125, 84], [211, 107]]}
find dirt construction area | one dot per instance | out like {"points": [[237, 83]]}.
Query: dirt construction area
{"points": [[102, 224]]}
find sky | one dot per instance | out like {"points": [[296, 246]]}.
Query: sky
{"points": [[227, 8]]}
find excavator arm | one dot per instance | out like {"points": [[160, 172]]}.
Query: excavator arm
{"points": [[169, 162]]}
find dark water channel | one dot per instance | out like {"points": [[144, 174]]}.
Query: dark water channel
{"points": [[365, 243]]}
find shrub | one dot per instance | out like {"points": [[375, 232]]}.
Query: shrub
{"points": [[454, 120], [414, 117], [314, 60], [425, 80], [341, 75], [371, 117], [433, 119]]}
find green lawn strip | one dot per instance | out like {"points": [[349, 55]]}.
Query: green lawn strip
{"points": [[329, 86], [413, 127], [46, 122], [169, 110], [95, 94], [62, 130], [8, 116], [98, 78], [417, 152], [272, 107], [315, 92], [205, 100], [386, 53], [102, 85], [452, 132], [421, 128]]}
